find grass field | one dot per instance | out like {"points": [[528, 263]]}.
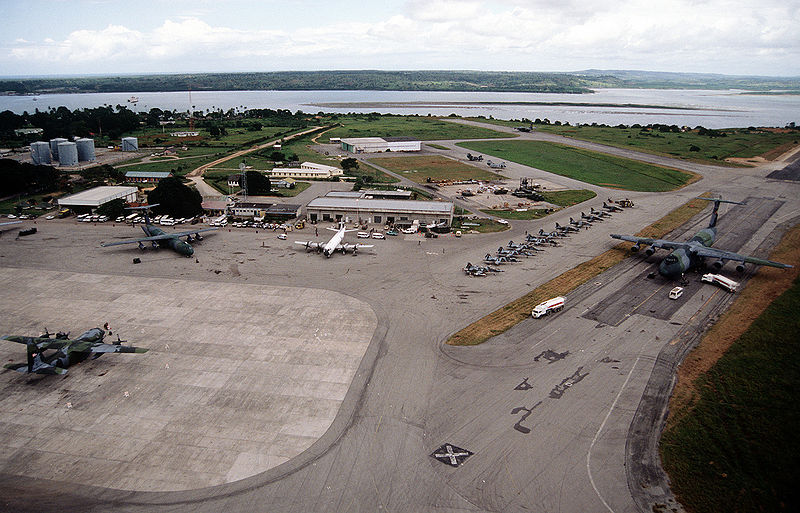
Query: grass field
{"points": [[735, 400], [568, 198], [738, 142], [511, 215], [586, 166], [420, 168], [178, 166], [422, 128], [738, 449]]}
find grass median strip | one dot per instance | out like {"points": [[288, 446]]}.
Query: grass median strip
{"points": [[518, 310]]}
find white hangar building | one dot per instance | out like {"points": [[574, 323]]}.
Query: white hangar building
{"points": [[90, 199], [379, 211], [379, 144]]}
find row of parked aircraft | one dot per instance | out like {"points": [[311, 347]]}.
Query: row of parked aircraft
{"points": [[513, 251]]}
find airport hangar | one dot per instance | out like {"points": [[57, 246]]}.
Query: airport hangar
{"points": [[379, 144], [379, 211], [88, 200]]}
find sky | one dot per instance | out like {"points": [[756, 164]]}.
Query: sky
{"points": [[78, 37]]}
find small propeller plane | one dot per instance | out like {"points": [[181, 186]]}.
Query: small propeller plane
{"points": [[158, 238], [334, 244], [66, 351], [691, 254]]}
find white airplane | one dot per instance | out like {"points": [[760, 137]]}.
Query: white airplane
{"points": [[335, 244]]}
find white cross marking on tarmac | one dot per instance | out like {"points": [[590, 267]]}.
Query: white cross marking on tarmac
{"points": [[452, 455]]}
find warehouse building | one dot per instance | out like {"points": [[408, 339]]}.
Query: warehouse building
{"points": [[379, 144], [262, 211], [146, 176], [307, 170], [88, 200], [379, 211]]}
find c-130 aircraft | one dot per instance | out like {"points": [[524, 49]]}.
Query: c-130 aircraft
{"points": [[159, 238], [691, 254]]}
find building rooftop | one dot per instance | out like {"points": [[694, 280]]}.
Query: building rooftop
{"points": [[98, 195], [147, 174], [443, 207]]}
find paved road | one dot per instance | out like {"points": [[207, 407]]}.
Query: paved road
{"points": [[410, 394]]}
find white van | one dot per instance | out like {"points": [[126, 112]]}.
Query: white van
{"points": [[676, 293], [726, 283]]}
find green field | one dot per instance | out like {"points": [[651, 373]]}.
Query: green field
{"points": [[527, 215], [422, 128], [568, 198], [738, 449], [739, 143], [586, 166], [420, 168], [178, 166]]}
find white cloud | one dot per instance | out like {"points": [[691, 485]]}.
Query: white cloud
{"points": [[726, 36]]}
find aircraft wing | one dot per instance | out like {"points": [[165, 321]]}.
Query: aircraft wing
{"points": [[656, 243], [736, 257], [309, 244], [347, 245], [10, 222], [41, 343], [191, 232], [155, 237], [115, 348]]}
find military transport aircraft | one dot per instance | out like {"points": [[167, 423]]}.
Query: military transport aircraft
{"points": [[690, 254], [158, 238], [334, 244], [66, 351]]}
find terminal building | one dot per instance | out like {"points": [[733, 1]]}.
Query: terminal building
{"points": [[379, 211], [379, 144], [261, 211], [88, 200]]}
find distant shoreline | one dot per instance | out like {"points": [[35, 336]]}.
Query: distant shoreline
{"points": [[433, 105]]}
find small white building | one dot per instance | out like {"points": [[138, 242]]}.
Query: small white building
{"points": [[308, 170]]}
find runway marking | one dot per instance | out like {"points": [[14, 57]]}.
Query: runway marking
{"points": [[643, 302], [597, 435], [452, 455], [675, 340]]}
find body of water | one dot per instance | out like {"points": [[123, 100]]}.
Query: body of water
{"points": [[711, 109]]}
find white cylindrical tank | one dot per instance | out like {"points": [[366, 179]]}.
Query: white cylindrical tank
{"points": [[85, 149], [130, 144], [68, 154], [54, 146], [40, 153]]}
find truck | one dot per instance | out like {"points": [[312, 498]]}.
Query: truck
{"points": [[547, 307], [726, 283]]}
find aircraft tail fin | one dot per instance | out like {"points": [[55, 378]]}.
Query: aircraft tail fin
{"points": [[714, 212]]}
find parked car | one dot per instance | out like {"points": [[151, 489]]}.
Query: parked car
{"points": [[363, 235], [282, 236], [378, 235], [392, 233]]}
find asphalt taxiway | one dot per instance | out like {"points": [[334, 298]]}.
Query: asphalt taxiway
{"points": [[545, 408]]}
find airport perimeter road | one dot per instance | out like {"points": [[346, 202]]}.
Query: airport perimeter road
{"points": [[410, 396]]}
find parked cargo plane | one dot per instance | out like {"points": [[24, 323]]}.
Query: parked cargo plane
{"points": [[334, 244], [158, 238], [687, 255]]}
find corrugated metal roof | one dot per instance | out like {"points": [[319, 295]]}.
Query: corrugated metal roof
{"points": [[381, 204], [147, 174], [98, 195]]}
